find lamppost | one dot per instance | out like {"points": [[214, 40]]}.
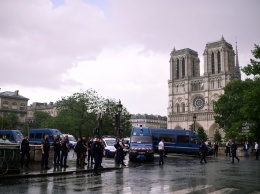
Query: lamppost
{"points": [[119, 110], [194, 120]]}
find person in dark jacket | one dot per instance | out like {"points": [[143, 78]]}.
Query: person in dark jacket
{"points": [[25, 151], [78, 150], [97, 152], [203, 151], [234, 151], [90, 157], [64, 151], [45, 147], [57, 149]]}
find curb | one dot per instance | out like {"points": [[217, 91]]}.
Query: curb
{"points": [[16, 176]]}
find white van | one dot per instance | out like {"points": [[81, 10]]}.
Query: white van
{"points": [[72, 140], [109, 150]]}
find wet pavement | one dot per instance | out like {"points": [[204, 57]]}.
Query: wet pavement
{"points": [[180, 174]]}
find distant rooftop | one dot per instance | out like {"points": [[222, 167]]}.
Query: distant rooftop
{"points": [[14, 94]]}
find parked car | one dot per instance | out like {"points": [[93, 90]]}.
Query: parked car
{"points": [[109, 150], [72, 140]]}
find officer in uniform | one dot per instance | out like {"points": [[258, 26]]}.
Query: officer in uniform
{"points": [[97, 151], [25, 151], [234, 151], [90, 157], [57, 149], [64, 151], [45, 147], [203, 151]]}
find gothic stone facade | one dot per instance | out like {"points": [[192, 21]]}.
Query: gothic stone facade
{"points": [[190, 93]]}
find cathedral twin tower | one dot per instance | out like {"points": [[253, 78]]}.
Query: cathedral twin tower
{"points": [[190, 93]]}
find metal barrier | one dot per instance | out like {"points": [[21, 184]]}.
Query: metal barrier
{"points": [[10, 156]]}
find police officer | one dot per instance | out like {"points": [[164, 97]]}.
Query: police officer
{"points": [[234, 151], [203, 151], [97, 151], [57, 149], [83, 151], [25, 151], [90, 156], [161, 150], [64, 151], [45, 147]]}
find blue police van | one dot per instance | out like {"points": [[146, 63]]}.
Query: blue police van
{"points": [[176, 141], [141, 144], [36, 135], [14, 136]]}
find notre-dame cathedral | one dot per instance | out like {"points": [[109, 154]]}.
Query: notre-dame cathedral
{"points": [[193, 96]]}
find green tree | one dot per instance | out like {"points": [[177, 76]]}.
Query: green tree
{"points": [[78, 112], [9, 121], [217, 136], [42, 119], [254, 67], [202, 134]]}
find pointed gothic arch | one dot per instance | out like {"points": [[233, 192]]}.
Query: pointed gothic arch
{"points": [[212, 63]]}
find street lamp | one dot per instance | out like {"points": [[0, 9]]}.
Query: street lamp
{"points": [[119, 110], [194, 120]]}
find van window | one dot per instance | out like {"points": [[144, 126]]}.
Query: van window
{"points": [[38, 136], [155, 137], [168, 138], [195, 140], [183, 139], [32, 136]]}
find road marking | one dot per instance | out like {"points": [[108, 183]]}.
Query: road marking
{"points": [[223, 191], [197, 188]]}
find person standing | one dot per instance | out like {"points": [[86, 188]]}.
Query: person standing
{"points": [[121, 151], [216, 148], [25, 151], [256, 150], [161, 150], [45, 147], [203, 151], [228, 148], [97, 151], [234, 151], [78, 150], [83, 151], [64, 151], [90, 156], [246, 146], [57, 149]]}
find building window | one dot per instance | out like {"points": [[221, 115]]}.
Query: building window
{"points": [[22, 106], [219, 62], [5, 105], [183, 107], [14, 105], [212, 63], [183, 68], [177, 70], [219, 83], [212, 84], [178, 108]]}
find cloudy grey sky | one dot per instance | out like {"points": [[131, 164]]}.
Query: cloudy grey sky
{"points": [[121, 49]]}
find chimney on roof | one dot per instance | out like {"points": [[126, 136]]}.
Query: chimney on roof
{"points": [[16, 92]]}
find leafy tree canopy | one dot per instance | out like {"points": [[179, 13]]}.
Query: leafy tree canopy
{"points": [[202, 134], [254, 67]]}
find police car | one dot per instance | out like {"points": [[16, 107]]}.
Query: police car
{"points": [[109, 148]]}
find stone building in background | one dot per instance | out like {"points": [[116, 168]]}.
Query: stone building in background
{"points": [[13, 102], [193, 95], [152, 121]]}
